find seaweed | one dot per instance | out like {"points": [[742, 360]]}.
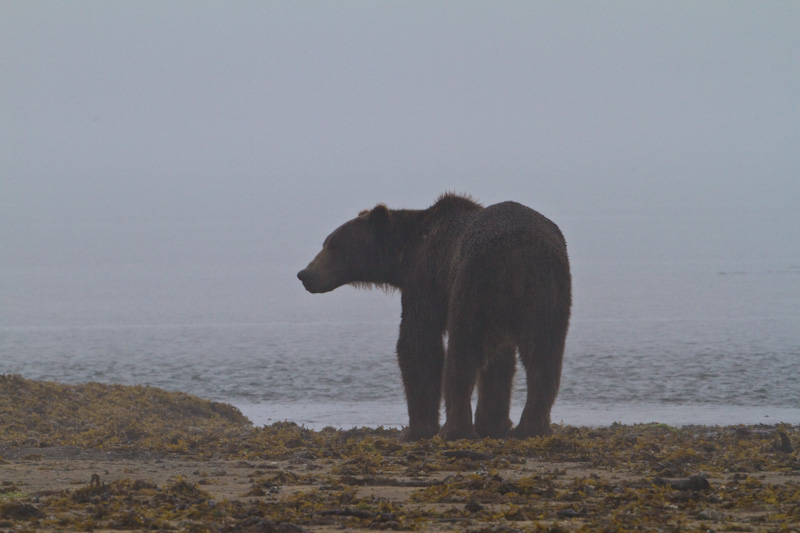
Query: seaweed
{"points": [[639, 477]]}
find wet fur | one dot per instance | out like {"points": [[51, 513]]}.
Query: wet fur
{"points": [[496, 280]]}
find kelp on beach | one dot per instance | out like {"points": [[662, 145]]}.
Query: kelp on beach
{"points": [[641, 477], [96, 415]]}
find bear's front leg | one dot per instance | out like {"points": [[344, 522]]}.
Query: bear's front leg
{"points": [[420, 353]]}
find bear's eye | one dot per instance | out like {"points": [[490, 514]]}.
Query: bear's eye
{"points": [[332, 244]]}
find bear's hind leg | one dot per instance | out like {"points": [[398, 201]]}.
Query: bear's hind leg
{"points": [[542, 363], [463, 360], [494, 393]]}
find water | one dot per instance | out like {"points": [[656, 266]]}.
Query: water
{"points": [[685, 341]]}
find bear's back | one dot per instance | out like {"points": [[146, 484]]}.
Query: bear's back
{"points": [[510, 224]]}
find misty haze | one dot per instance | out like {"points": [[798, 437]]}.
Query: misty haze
{"points": [[167, 168]]}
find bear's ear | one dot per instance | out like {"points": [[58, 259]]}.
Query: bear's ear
{"points": [[379, 215]]}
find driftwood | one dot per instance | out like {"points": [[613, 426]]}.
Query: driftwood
{"points": [[372, 481], [467, 454], [693, 482], [347, 512]]}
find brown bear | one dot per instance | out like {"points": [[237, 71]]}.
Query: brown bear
{"points": [[495, 280]]}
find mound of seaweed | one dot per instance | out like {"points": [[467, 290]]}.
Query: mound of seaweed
{"points": [[647, 477], [97, 415]]}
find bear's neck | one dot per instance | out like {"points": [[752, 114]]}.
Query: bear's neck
{"points": [[406, 230]]}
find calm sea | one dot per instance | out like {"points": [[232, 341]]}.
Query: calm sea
{"points": [[684, 341]]}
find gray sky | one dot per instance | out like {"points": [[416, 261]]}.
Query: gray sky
{"points": [[246, 131]]}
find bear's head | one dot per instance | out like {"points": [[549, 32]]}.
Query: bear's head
{"points": [[356, 252]]}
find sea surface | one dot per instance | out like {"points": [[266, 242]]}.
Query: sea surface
{"points": [[692, 340]]}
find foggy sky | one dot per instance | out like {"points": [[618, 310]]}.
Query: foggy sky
{"points": [[244, 132]]}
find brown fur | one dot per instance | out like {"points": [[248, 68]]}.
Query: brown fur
{"points": [[496, 280]]}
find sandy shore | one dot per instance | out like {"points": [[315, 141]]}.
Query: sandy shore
{"points": [[107, 458]]}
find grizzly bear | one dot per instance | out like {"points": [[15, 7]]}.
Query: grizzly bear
{"points": [[495, 281]]}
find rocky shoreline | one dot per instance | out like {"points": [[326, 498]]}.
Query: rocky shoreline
{"points": [[100, 457]]}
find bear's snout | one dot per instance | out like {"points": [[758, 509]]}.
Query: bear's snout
{"points": [[306, 277], [313, 282]]}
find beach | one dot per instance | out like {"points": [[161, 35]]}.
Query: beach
{"points": [[100, 457]]}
